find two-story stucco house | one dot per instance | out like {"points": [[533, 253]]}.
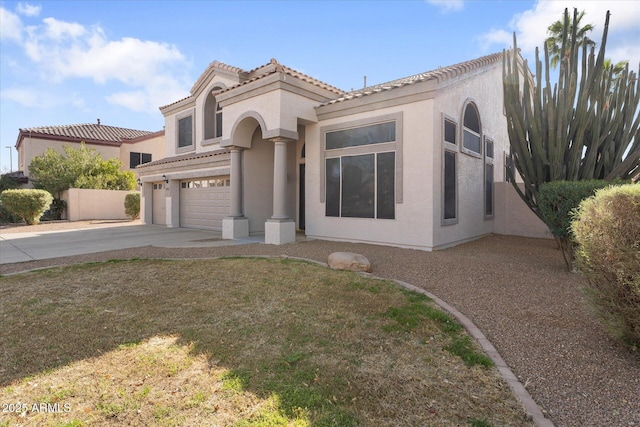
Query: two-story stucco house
{"points": [[132, 147], [413, 162]]}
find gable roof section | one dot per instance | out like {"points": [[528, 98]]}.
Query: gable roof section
{"points": [[253, 75], [220, 67], [274, 66], [440, 74], [94, 133]]}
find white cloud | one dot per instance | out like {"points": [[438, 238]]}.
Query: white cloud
{"points": [[447, 6], [10, 26], [531, 25], [37, 98], [28, 10], [63, 50], [56, 29]]}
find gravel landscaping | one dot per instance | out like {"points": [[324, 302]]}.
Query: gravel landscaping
{"points": [[516, 290]]}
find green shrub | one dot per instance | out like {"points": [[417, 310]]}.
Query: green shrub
{"points": [[557, 200], [607, 231], [27, 204], [132, 205]]}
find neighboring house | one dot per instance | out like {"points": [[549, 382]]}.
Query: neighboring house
{"points": [[132, 147], [413, 162]]}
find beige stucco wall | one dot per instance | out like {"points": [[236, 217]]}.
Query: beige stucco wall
{"points": [[84, 204], [155, 146], [196, 107], [484, 88], [513, 216], [413, 217], [32, 147]]}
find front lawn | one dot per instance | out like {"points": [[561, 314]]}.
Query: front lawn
{"points": [[236, 342]]}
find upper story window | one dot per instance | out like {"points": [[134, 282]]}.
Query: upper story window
{"points": [[136, 159], [450, 131], [471, 140], [185, 132], [212, 117]]}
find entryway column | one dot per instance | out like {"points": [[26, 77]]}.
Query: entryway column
{"points": [[280, 228], [280, 179], [235, 198], [235, 225]]}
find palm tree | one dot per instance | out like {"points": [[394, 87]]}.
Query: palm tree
{"points": [[555, 39]]}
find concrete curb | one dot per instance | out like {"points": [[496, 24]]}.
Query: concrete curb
{"points": [[534, 413]]}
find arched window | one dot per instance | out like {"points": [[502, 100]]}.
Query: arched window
{"points": [[471, 130]]}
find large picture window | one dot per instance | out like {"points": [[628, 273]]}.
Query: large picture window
{"points": [[362, 177], [361, 186]]}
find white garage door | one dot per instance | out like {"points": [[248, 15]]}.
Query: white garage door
{"points": [[159, 205], [204, 202]]}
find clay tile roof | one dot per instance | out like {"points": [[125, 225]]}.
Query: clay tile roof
{"points": [[212, 66], [184, 157], [273, 66], [88, 132], [440, 74]]}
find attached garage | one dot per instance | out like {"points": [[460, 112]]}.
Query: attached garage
{"points": [[159, 204], [204, 202]]}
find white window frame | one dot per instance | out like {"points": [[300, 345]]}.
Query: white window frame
{"points": [[464, 129]]}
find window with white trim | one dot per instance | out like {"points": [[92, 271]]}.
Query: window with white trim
{"points": [[471, 134]]}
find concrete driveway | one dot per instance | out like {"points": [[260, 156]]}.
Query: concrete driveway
{"points": [[19, 247]]}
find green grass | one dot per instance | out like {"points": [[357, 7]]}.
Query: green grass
{"points": [[240, 342]]}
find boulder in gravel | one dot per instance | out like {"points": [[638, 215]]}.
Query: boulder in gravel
{"points": [[349, 261]]}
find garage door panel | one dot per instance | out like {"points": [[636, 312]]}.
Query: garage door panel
{"points": [[204, 202], [159, 204]]}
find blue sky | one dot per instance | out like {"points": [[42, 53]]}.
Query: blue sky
{"points": [[71, 62]]}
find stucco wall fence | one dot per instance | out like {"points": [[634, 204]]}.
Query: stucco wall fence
{"points": [[84, 204], [513, 216]]}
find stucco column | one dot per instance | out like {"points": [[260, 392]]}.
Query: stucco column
{"points": [[280, 179], [235, 198], [235, 225], [279, 229]]}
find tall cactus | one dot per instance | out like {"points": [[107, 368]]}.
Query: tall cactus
{"points": [[584, 126]]}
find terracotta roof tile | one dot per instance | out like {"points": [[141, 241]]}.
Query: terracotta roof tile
{"points": [[439, 74], [89, 132], [274, 66], [184, 157]]}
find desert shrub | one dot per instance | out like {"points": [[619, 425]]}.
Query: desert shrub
{"points": [[27, 204], [557, 200], [607, 231], [132, 205]]}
